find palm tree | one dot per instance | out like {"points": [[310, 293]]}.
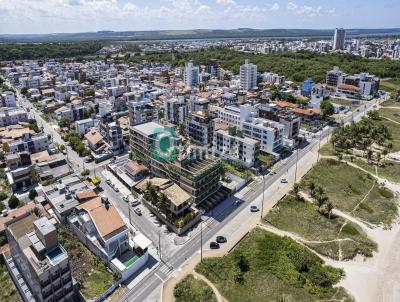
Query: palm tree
{"points": [[162, 202], [312, 186], [296, 191], [369, 155]]}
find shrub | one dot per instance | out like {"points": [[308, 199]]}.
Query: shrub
{"points": [[13, 202], [3, 196], [33, 194]]}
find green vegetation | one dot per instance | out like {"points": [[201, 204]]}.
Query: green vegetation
{"points": [[235, 168], [8, 290], [264, 267], [13, 202], [344, 102], [304, 219], [96, 181], [327, 108], [296, 66], [191, 289], [32, 194], [389, 170], [85, 172], [390, 113], [76, 143], [90, 272], [352, 191], [64, 122], [9, 52], [267, 159]]}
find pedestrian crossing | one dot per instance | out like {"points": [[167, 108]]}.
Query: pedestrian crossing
{"points": [[166, 269]]}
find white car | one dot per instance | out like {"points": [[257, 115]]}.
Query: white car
{"points": [[284, 180]]}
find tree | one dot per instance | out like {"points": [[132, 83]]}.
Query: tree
{"points": [[13, 202], [374, 114], [6, 147], [162, 202], [24, 90], [90, 92], [296, 190], [33, 194], [64, 122], [96, 181], [85, 172], [311, 187], [327, 108]]}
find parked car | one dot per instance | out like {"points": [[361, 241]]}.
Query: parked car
{"points": [[237, 203], [284, 180], [214, 245], [135, 202], [220, 239], [254, 209], [88, 159], [138, 211], [125, 198], [115, 189], [24, 189]]}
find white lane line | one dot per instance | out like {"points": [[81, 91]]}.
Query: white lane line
{"points": [[162, 280]]}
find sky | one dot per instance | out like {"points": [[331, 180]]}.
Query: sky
{"points": [[51, 16]]}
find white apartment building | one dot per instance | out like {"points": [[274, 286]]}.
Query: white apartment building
{"points": [[71, 112], [83, 126], [141, 110], [248, 76], [32, 144], [12, 116], [270, 134], [232, 147], [233, 115], [339, 39], [191, 74], [175, 110], [7, 99], [334, 77]]}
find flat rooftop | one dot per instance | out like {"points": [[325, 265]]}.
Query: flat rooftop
{"points": [[148, 128]]}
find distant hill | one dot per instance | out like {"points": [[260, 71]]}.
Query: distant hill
{"points": [[190, 34]]}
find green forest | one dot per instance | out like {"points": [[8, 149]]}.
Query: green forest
{"points": [[295, 66], [32, 51]]}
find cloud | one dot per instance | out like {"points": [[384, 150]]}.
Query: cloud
{"points": [[226, 2], [308, 10], [274, 7]]}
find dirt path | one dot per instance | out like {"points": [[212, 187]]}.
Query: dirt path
{"points": [[220, 298]]}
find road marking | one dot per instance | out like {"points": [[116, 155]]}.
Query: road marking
{"points": [[162, 280]]}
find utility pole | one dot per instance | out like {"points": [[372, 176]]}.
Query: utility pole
{"points": [[129, 210], [159, 243], [201, 241], [262, 201], [319, 144], [297, 159]]}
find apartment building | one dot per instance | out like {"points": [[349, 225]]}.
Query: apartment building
{"points": [[191, 169], [233, 115], [141, 110], [83, 126], [73, 112], [175, 110], [334, 77], [99, 221], [7, 99], [38, 264], [113, 134], [29, 143], [199, 127], [235, 147], [248, 76], [270, 134], [20, 172], [191, 74], [12, 116], [339, 39]]}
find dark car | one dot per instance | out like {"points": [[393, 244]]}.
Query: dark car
{"points": [[220, 239], [138, 211], [214, 245]]}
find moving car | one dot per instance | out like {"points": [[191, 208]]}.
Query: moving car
{"points": [[108, 181], [284, 180], [138, 211], [116, 189], [135, 202], [214, 245], [236, 203], [254, 209], [220, 239]]}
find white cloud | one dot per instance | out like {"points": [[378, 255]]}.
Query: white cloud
{"points": [[226, 2], [274, 7], [308, 10]]}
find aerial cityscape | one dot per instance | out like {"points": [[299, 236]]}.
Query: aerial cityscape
{"points": [[199, 151]]}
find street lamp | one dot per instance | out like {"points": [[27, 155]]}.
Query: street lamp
{"points": [[297, 159], [201, 240]]}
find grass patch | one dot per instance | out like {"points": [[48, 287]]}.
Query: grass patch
{"points": [[346, 186], [390, 171], [8, 290], [191, 289], [393, 114], [266, 267], [390, 103], [267, 159], [345, 102], [304, 219], [89, 270], [242, 173], [390, 85]]}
